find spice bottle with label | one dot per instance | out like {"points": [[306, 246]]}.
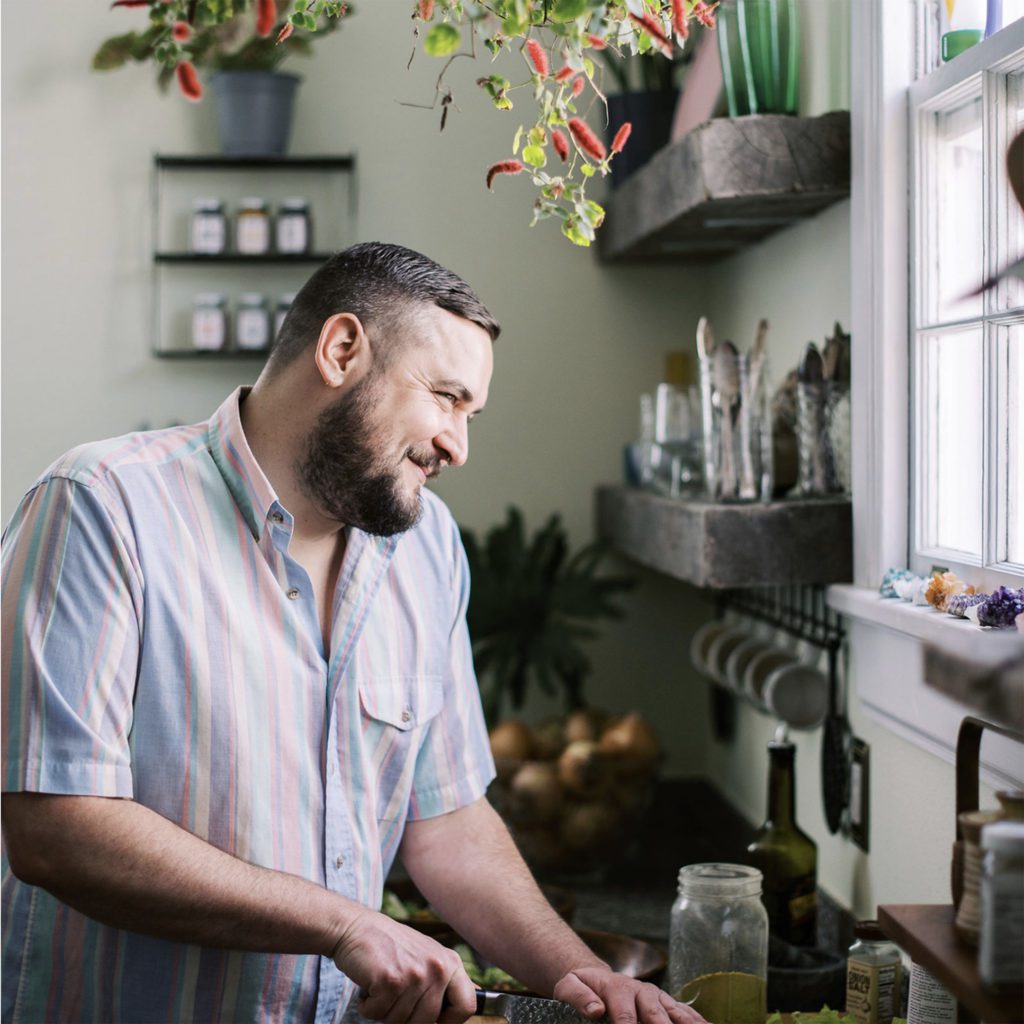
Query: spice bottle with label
{"points": [[718, 943], [929, 1002], [873, 969], [209, 226], [1001, 952], [293, 227], [252, 227], [252, 325], [209, 321], [786, 856]]}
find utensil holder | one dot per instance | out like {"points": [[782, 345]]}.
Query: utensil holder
{"points": [[823, 439]]}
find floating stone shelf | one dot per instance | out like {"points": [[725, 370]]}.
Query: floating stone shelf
{"points": [[722, 546], [726, 184]]}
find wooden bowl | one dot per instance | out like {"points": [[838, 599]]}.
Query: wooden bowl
{"points": [[561, 899]]}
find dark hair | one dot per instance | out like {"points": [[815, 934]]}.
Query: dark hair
{"points": [[382, 284]]}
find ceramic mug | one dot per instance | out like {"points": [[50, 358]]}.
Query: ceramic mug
{"points": [[740, 658], [721, 648], [797, 694], [760, 668], [701, 643]]}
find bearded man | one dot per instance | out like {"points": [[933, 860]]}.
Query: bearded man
{"points": [[237, 682]]}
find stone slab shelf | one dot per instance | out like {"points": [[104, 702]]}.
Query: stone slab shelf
{"points": [[723, 546], [726, 184]]}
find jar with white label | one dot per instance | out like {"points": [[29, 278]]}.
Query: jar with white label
{"points": [[209, 226], [929, 1002], [252, 323], [293, 227], [252, 227], [873, 969], [209, 322], [283, 305], [1001, 949]]}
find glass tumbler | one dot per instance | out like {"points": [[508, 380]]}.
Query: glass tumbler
{"points": [[718, 943]]}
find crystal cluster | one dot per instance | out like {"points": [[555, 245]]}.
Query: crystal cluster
{"points": [[1002, 608], [888, 589], [959, 604], [942, 587]]}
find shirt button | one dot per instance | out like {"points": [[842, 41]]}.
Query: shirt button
{"points": [[339, 860], [276, 517], [292, 593], [406, 715]]}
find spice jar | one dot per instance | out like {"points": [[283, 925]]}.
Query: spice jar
{"points": [[252, 227], [293, 227], [283, 305], [1001, 946], [718, 943], [209, 226], [968, 911], [873, 969], [209, 321], [252, 325]]}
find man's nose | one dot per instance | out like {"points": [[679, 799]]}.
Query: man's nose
{"points": [[454, 441]]}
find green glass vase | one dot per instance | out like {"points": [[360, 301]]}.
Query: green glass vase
{"points": [[759, 45]]}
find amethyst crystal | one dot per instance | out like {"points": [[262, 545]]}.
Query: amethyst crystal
{"points": [[1002, 608], [959, 603]]}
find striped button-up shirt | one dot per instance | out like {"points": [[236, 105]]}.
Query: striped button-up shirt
{"points": [[160, 644]]}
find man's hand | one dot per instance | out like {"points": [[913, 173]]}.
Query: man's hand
{"points": [[597, 992], [403, 976]]}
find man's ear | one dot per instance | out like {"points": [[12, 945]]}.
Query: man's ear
{"points": [[342, 350]]}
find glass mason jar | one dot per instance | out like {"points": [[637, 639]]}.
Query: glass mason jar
{"points": [[718, 943], [252, 324], [293, 228], [209, 321], [252, 227], [209, 226]]}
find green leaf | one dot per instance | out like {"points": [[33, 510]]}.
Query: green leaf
{"points": [[516, 140], [114, 53], [442, 40], [588, 67], [568, 10], [570, 230], [587, 171]]}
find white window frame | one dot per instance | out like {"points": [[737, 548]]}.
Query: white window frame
{"points": [[886, 636], [980, 71]]}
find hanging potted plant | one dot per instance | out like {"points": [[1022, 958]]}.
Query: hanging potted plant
{"points": [[242, 45]]}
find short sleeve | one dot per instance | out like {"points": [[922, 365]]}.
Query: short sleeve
{"points": [[71, 613], [454, 766]]}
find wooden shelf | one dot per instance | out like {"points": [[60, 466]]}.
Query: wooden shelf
{"points": [[278, 258], [925, 931], [726, 184], [726, 546], [225, 354]]}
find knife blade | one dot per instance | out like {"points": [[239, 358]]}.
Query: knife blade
{"points": [[526, 1009]]}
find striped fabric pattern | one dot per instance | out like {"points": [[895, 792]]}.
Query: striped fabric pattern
{"points": [[151, 651]]}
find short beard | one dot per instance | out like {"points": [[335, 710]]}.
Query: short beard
{"points": [[346, 478]]}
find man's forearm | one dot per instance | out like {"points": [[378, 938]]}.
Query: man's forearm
{"points": [[467, 866], [126, 866]]}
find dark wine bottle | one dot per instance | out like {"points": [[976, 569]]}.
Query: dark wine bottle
{"points": [[786, 857]]}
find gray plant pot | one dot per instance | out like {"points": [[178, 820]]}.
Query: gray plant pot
{"points": [[254, 111]]}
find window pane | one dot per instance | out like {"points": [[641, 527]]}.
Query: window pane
{"points": [[952, 208], [950, 441], [1010, 243], [1013, 451]]}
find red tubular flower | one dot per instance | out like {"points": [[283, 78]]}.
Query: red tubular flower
{"points": [[621, 137], [182, 31], [578, 85], [188, 81], [538, 57], [130, 3], [652, 27], [564, 74], [682, 30], [561, 144], [285, 32], [586, 139], [426, 10], [596, 41], [703, 13], [266, 17], [502, 167]]}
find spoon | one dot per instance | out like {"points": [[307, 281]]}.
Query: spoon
{"points": [[748, 485], [727, 393]]}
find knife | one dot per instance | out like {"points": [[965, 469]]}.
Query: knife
{"points": [[526, 1009]]}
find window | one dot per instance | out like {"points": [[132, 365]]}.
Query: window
{"points": [[967, 349]]}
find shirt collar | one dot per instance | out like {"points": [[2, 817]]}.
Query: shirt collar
{"points": [[248, 484]]}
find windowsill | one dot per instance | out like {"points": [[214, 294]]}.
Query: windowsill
{"points": [[958, 638]]}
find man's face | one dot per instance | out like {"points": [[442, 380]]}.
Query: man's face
{"points": [[370, 452]]}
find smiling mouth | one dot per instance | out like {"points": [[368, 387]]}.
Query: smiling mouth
{"points": [[427, 469]]}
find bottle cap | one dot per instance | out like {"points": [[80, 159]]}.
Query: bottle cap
{"points": [[721, 881], [869, 930], [250, 299], [208, 299], [1004, 837], [252, 203], [294, 203], [208, 204]]}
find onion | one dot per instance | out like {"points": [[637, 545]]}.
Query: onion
{"points": [[536, 794], [583, 768], [512, 739], [548, 739], [631, 739], [584, 724]]}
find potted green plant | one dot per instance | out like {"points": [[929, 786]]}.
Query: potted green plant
{"points": [[242, 44], [531, 606]]}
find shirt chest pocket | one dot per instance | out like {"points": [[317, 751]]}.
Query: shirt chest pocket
{"points": [[396, 711]]}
